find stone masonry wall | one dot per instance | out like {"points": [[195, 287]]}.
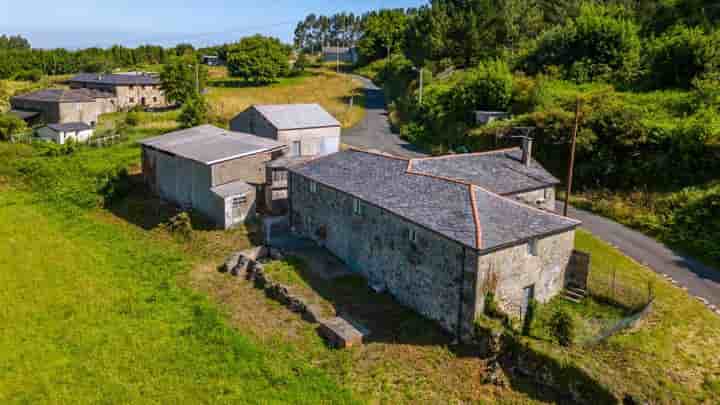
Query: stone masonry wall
{"points": [[515, 268], [425, 275]]}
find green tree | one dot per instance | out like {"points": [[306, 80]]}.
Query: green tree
{"points": [[683, 54], [194, 112], [258, 59], [10, 126], [301, 63], [383, 33], [181, 77]]}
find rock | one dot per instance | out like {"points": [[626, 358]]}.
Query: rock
{"points": [[230, 262], [340, 333], [242, 266], [313, 313], [496, 375], [256, 253]]}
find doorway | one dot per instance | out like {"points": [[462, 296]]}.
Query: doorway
{"points": [[528, 295]]}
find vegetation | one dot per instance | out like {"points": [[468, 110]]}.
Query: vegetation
{"points": [[11, 125], [183, 78], [194, 112], [258, 59], [562, 327]]}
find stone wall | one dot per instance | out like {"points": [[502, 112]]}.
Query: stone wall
{"points": [[250, 169], [138, 95], [427, 275], [509, 271]]}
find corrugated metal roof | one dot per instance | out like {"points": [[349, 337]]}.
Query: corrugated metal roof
{"points": [[208, 144], [69, 126], [297, 116], [232, 189], [499, 171], [447, 207], [116, 79]]}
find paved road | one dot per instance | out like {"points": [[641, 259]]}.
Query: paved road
{"points": [[374, 130], [700, 280]]}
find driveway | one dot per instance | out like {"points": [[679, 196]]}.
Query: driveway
{"points": [[699, 279], [373, 132]]}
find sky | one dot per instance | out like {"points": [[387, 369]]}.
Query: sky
{"points": [[76, 24]]}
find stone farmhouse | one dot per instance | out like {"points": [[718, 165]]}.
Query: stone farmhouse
{"points": [[61, 133], [306, 129], [129, 89], [62, 106], [208, 169], [436, 233]]}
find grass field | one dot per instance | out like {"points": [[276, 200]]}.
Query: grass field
{"points": [[331, 90]]}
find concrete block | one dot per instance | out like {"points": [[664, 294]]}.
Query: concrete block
{"points": [[340, 333]]}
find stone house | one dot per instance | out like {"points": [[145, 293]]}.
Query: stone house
{"points": [[436, 243], [208, 169], [60, 106], [61, 133], [129, 89], [307, 130]]}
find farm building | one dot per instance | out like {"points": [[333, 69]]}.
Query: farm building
{"points": [[208, 169], [437, 243], [62, 133], [343, 54], [307, 130], [129, 89], [59, 106]]}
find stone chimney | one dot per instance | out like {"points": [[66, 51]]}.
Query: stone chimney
{"points": [[527, 151]]}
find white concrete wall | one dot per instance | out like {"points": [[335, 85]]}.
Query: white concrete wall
{"points": [[313, 141]]}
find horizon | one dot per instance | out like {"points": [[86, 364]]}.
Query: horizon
{"points": [[214, 21]]}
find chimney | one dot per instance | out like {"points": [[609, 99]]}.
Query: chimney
{"points": [[527, 151]]}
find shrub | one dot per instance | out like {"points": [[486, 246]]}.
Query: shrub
{"points": [[681, 55], [180, 225], [32, 75], [116, 186], [10, 125], [489, 86], [194, 112], [258, 59], [562, 327], [601, 40], [132, 119], [529, 317]]}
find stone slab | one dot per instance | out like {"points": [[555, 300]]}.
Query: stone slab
{"points": [[340, 333]]}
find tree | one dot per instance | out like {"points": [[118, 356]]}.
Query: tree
{"points": [[181, 78], [301, 63], [259, 59], [383, 33], [194, 112], [683, 54], [10, 126]]}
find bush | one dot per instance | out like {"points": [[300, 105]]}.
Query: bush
{"points": [[600, 42], [32, 75], [194, 113], [132, 119], [11, 125], [180, 225], [489, 86], [681, 55], [562, 327], [116, 186], [529, 317]]}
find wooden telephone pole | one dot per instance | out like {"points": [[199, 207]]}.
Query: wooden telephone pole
{"points": [[571, 165]]}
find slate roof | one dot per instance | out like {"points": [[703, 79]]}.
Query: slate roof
{"points": [[69, 126], [468, 214], [64, 95], [232, 189], [116, 79], [24, 114], [296, 116], [499, 171], [208, 144]]}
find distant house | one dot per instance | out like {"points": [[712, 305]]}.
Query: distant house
{"points": [[129, 89], [211, 60], [344, 54], [59, 106], [62, 133], [426, 233], [306, 129], [208, 169]]}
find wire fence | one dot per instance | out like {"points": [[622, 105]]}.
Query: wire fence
{"points": [[615, 288]]}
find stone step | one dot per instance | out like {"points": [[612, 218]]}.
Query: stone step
{"points": [[572, 299], [341, 333], [574, 294], [577, 290]]}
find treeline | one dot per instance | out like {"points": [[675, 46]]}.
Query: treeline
{"points": [[317, 31], [18, 59]]}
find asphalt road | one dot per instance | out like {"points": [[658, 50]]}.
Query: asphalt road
{"points": [[373, 132], [700, 280]]}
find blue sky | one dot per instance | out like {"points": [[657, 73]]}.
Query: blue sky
{"points": [[84, 23]]}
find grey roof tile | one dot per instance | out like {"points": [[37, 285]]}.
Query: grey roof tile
{"points": [[64, 95], [208, 144], [444, 206], [232, 189], [500, 171], [115, 79], [297, 116]]}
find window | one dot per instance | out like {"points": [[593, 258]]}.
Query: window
{"points": [[237, 202], [533, 247], [546, 193], [296, 148], [154, 99], [357, 207], [132, 99], [313, 187], [412, 235]]}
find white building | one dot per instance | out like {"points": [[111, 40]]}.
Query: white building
{"points": [[61, 133]]}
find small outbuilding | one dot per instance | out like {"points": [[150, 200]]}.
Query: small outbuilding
{"points": [[62, 133], [211, 170]]}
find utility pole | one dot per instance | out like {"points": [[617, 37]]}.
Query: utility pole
{"points": [[197, 77], [571, 165], [421, 87]]}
